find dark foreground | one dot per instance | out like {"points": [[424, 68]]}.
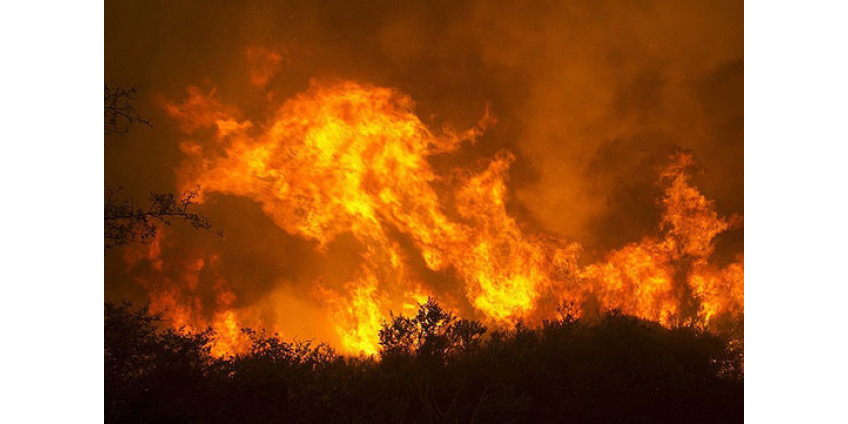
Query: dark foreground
{"points": [[435, 368]]}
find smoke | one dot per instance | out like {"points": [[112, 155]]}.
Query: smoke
{"points": [[590, 97]]}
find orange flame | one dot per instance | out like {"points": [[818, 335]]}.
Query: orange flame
{"points": [[670, 279], [352, 159]]}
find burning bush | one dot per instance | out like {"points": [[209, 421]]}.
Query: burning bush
{"points": [[616, 369]]}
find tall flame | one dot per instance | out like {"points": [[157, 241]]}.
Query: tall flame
{"points": [[669, 279], [348, 158]]}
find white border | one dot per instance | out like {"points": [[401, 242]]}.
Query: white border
{"points": [[51, 169], [796, 253], [796, 240]]}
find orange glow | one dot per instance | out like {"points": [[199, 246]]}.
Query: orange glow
{"points": [[652, 279], [352, 159]]}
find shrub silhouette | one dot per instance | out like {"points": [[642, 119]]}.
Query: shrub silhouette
{"points": [[434, 367], [431, 333], [152, 375]]}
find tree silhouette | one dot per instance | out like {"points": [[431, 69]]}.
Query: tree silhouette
{"points": [[123, 220], [613, 369], [431, 332], [119, 112]]}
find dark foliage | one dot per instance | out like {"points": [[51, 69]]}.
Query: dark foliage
{"points": [[124, 222], [119, 113], [434, 368], [432, 333]]}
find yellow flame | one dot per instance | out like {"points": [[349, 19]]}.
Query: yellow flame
{"points": [[353, 159]]}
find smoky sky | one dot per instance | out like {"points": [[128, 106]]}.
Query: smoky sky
{"points": [[590, 96]]}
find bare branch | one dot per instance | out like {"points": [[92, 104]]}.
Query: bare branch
{"points": [[125, 222], [119, 113]]}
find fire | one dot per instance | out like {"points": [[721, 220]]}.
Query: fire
{"points": [[359, 317], [175, 292], [353, 159], [670, 279]]}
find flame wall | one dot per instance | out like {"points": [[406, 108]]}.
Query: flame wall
{"points": [[501, 158]]}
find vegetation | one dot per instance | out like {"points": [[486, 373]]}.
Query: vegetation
{"points": [[119, 114], [124, 221], [434, 367]]}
